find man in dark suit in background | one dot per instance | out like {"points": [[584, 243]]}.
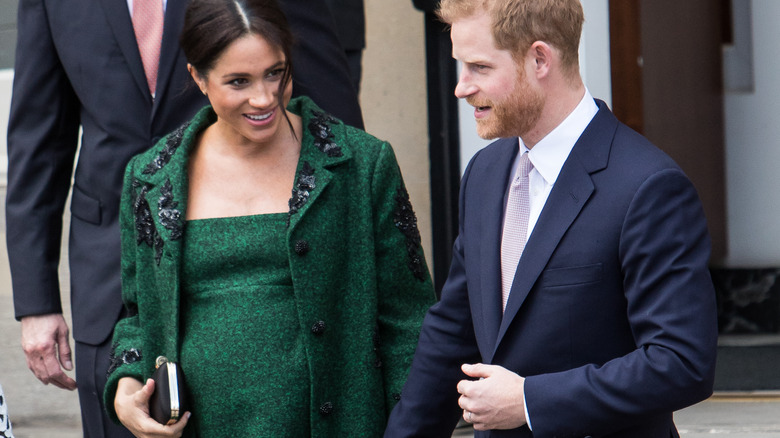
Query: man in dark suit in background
{"points": [[579, 301], [78, 66], [350, 19]]}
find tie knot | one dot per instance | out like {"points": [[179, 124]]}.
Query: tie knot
{"points": [[525, 166]]}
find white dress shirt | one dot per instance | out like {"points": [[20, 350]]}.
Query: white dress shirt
{"points": [[549, 154]]}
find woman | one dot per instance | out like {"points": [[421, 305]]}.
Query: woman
{"points": [[6, 431], [290, 316]]}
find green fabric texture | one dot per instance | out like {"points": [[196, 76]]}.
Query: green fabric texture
{"points": [[238, 301], [359, 281]]}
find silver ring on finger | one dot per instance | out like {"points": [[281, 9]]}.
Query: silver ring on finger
{"points": [[469, 416]]}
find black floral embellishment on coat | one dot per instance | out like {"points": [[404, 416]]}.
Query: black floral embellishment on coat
{"points": [[144, 225], [406, 221], [302, 190], [126, 357], [172, 142], [319, 126], [169, 216]]}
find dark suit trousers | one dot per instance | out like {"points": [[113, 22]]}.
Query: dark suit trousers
{"points": [[92, 364]]}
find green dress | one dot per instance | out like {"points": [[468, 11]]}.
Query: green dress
{"points": [[239, 319]]}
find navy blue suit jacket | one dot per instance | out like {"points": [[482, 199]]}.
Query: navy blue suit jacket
{"points": [[612, 315], [78, 66]]}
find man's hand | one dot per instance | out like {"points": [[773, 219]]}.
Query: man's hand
{"points": [[495, 401], [132, 407], [47, 348]]}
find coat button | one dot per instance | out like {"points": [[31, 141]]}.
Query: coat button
{"points": [[318, 328], [301, 247], [326, 408], [396, 396]]}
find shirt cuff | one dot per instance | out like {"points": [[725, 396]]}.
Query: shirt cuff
{"points": [[527, 417]]}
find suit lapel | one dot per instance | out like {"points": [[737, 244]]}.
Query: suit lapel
{"points": [[169, 52], [570, 193], [494, 174], [118, 17]]}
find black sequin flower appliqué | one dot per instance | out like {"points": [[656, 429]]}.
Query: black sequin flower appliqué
{"points": [[172, 142], [302, 189], [319, 126], [144, 225], [126, 357], [168, 214], [406, 221]]}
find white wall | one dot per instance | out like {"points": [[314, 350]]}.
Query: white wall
{"points": [[594, 68], [753, 151]]}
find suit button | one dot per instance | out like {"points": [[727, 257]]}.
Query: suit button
{"points": [[301, 247], [318, 328], [326, 408]]}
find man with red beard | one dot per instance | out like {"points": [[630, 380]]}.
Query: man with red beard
{"points": [[579, 302]]}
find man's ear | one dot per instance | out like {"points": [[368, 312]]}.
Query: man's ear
{"points": [[543, 55], [200, 80]]}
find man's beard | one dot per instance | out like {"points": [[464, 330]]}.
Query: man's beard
{"points": [[512, 117]]}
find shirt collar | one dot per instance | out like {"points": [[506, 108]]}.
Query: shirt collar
{"points": [[551, 152]]}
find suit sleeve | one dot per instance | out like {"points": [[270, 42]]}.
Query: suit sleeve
{"points": [[404, 284], [127, 350], [664, 253], [320, 69], [429, 402], [42, 140]]}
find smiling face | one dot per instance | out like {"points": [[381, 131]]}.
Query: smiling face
{"points": [[243, 89], [506, 103]]}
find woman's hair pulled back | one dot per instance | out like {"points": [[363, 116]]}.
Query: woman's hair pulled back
{"points": [[210, 26]]}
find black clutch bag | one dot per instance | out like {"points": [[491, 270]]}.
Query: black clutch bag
{"points": [[169, 401]]}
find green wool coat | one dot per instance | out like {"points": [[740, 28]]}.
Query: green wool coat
{"points": [[354, 252]]}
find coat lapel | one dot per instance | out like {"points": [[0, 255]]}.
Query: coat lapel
{"points": [[570, 193], [118, 17], [318, 156], [170, 50], [496, 174], [165, 179]]}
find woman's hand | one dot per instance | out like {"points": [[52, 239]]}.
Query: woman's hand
{"points": [[132, 408]]}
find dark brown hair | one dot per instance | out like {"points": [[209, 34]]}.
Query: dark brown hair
{"points": [[210, 26]]}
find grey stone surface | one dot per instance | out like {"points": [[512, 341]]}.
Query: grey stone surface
{"points": [[7, 32]]}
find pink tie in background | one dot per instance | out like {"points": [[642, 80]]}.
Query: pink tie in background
{"points": [[515, 231], [148, 26]]}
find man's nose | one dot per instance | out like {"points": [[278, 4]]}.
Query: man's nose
{"points": [[465, 87]]}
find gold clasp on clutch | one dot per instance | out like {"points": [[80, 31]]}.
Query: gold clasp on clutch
{"points": [[160, 361]]}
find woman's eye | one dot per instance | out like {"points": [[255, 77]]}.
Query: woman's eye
{"points": [[275, 73], [237, 82]]}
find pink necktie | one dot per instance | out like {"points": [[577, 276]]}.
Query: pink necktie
{"points": [[515, 226], [148, 26]]}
